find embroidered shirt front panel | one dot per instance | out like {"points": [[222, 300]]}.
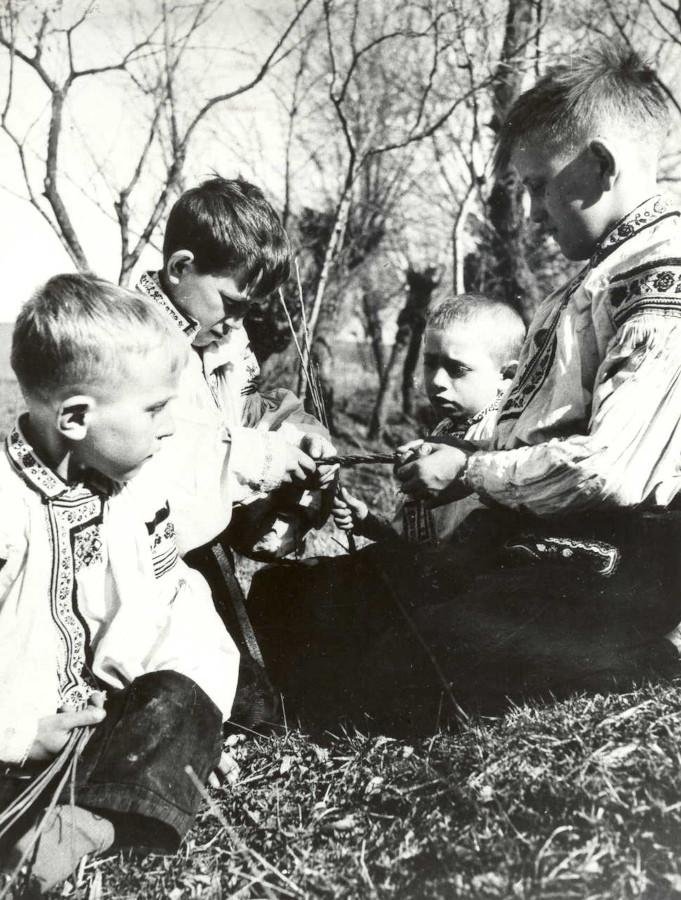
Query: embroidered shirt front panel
{"points": [[552, 393], [74, 516]]}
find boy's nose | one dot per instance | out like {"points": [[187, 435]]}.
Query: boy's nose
{"points": [[441, 380], [166, 426]]}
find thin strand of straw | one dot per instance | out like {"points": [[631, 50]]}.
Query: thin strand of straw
{"points": [[30, 794], [313, 377], [295, 337]]}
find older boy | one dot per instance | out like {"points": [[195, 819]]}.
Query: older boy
{"points": [[93, 596], [472, 344], [224, 248], [571, 577]]}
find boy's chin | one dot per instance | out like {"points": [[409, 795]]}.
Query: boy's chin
{"points": [[453, 413], [129, 474]]}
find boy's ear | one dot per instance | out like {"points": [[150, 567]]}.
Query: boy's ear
{"points": [[509, 369], [180, 262], [607, 163], [73, 416]]}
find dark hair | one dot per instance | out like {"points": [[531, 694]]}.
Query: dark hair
{"points": [[606, 84], [504, 328], [228, 224], [74, 330]]}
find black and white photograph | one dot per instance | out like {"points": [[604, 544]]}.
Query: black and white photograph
{"points": [[340, 449]]}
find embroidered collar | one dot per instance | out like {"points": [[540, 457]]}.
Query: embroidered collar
{"points": [[40, 477], [150, 284], [648, 213]]}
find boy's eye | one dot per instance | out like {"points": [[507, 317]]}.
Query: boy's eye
{"points": [[456, 370], [233, 307], [157, 408]]}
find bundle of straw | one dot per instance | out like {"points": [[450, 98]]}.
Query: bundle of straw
{"points": [[64, 765], [310, 372]]}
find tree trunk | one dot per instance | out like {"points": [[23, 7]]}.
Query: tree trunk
{"points": [[410, 363], [373, 328], [405, 351], [458, 233], [506, 212]]}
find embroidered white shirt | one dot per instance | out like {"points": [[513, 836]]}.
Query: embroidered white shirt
{"points": [[92, 588], [225, 449], [593, 417]]}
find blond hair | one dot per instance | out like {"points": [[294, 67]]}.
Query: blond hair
{"points": [[502, 328], [604, 86], [74, 331]]}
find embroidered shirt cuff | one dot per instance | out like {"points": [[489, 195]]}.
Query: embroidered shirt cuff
{"points": [[258, 458], [474, 472]]}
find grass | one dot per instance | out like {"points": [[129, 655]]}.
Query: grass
{"points": [[573, 799]]}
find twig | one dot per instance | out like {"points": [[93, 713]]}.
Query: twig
{"points": [[459, 712]]}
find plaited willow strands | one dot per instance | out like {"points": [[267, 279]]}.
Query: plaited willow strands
{"points": [[361, 459]]}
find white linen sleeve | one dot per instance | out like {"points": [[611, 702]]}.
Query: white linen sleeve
{"points": [[257, 461], [632, 451], [18, 721], [195, 642]]}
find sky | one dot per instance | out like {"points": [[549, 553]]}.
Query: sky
{"points": [[101, 124]]}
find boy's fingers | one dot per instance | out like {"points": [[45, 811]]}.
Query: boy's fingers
{"points": [[93, 715], [407, 449], [406, 472], [317, 446], [306, 463], [326, 474]]}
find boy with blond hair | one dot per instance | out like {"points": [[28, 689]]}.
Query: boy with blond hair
{"points": [[101, 623], [471, 347], [569, 577]]}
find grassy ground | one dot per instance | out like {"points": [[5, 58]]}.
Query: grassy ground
{"points": [[576, 799]]}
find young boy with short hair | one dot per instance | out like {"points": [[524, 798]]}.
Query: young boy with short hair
{"points": [[93, 595], [569, 578], [224, 248], [471, 347]]}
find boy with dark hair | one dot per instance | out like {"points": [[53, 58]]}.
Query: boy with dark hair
{"points": [[225, 248], [570, 577], [471, 347], [93, 595]]}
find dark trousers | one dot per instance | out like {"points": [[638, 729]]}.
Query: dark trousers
{"points": [[516, 607], [132, 769]]}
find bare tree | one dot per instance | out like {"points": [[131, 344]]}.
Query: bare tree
{"points": [[47, 44]]}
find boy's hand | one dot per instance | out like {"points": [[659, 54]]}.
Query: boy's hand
{"points": [[348, 511], [432, 474], [298, 466], [318, 448], [54, 731]]}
